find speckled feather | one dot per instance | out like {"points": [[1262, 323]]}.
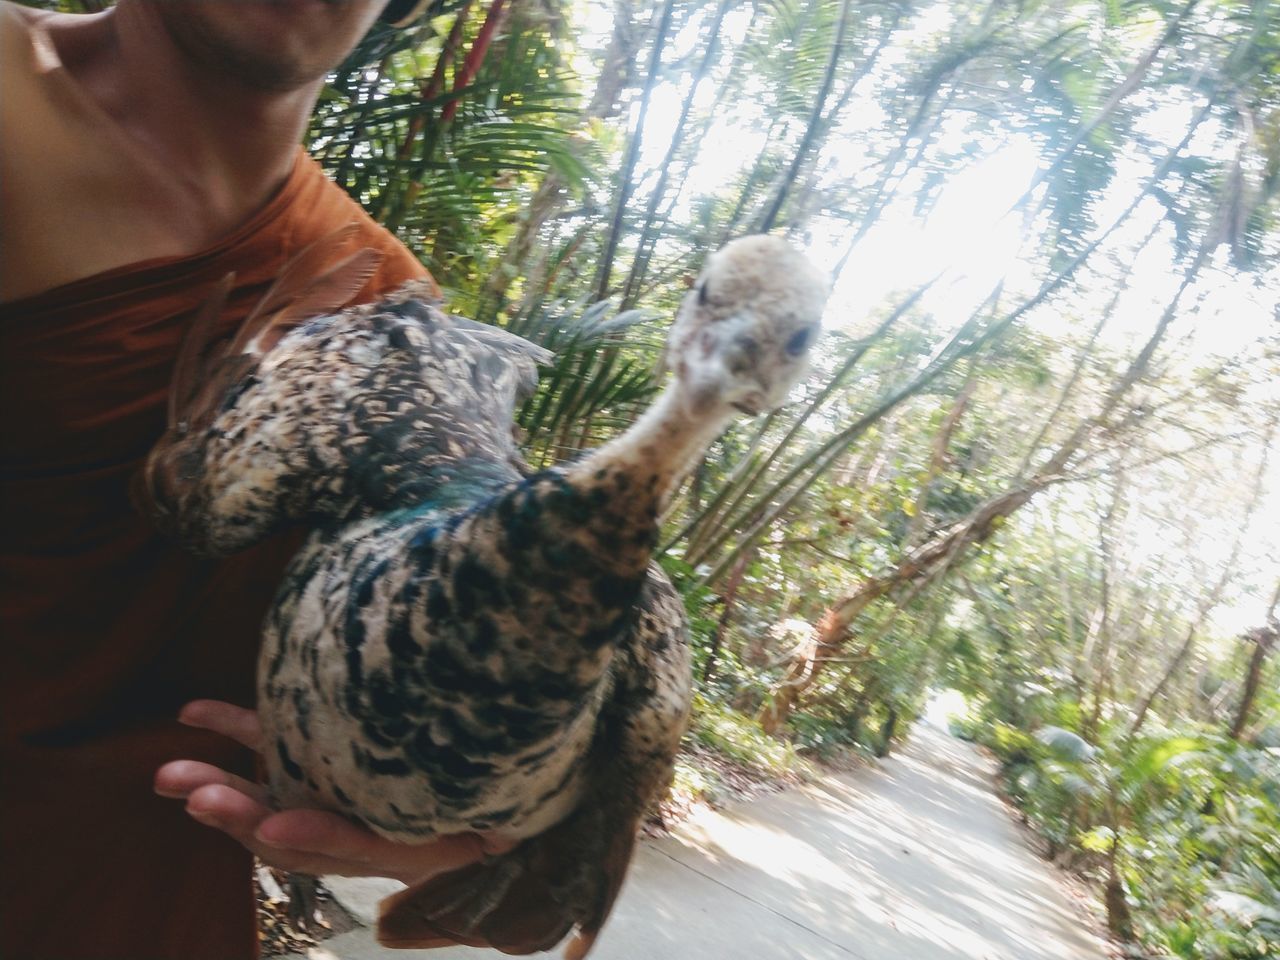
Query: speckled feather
{"points": [[460, 646], [443, 648]]}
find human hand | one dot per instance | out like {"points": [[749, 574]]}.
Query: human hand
{"points": [[314, 842]]}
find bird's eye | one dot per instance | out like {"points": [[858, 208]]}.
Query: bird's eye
{"points": [[799, 342], [702, 294]]}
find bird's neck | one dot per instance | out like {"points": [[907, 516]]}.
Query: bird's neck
{"points": [[557, 564], [643, 467]]}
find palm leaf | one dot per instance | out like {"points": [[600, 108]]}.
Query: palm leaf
{"points": [[601, 374]]}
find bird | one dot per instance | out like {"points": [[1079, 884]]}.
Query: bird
{"points": [[463, 644]]}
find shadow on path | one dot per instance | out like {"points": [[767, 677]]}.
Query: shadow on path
{"points": [[913, 858]]}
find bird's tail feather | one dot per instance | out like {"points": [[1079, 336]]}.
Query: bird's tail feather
{"points": [[309, 284], [313, 282], [524, 901]]}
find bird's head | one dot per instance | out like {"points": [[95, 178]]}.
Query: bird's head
{"points": [[741, 339]]}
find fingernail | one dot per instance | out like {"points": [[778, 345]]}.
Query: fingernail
{"points": [[266, 841], [205, 817]]}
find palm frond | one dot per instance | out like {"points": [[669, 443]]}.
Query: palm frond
{"points": [[602, 374]]}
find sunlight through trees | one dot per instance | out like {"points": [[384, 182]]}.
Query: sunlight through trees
{"points": [[1035, 460]]}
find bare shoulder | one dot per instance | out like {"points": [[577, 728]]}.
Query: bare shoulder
{"points": [[17, 16], [23, 120], [24, 56], [71, 191], [16, 43], [34, 137], [64, 196]]}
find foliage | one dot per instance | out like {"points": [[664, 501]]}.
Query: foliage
{"points": [[740, 739], [1031, 462], [1193, 815], [593, 384]]}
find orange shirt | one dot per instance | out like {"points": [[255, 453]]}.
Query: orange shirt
{"points": [[107, 628]]}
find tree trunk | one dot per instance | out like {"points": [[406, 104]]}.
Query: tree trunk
{"points": [[940, 551], [549, 198], [777, 499], [752, 471], [939, 457], [630, 290], [1100, 671], [770, 216], [1119, 917], [627, 174], [887, 731], [1130, 83], [722, 625], [1264, 638], [918, 565], [808, 660], [1206, 606], [393, 214]]}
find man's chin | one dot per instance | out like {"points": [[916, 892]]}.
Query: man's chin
{"points": [[271, 45]]}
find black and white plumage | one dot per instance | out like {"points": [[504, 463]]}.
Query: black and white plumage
{"points": [[460, 647]]}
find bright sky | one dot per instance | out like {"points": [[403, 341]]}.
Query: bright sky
{"points": [[970, 235]]}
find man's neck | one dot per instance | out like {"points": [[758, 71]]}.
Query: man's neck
{"points": [[227, 146]]}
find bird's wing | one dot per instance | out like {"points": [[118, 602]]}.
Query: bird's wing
{"points": [[530, 899], [320, 278], [382, 406], [435, 424]]}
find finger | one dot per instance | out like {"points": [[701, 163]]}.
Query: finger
{"points": [[317, 831], [227, 719], [330, 835], [237, 815], [180, 778], [327, 834], [221, 806], [440, 856], [316, 842]]}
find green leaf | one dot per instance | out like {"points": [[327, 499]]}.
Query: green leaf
{"points": [[1155, 755], [1099, 839]]}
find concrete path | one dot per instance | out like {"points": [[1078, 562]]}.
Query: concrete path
{"points": [[912, 859]]}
